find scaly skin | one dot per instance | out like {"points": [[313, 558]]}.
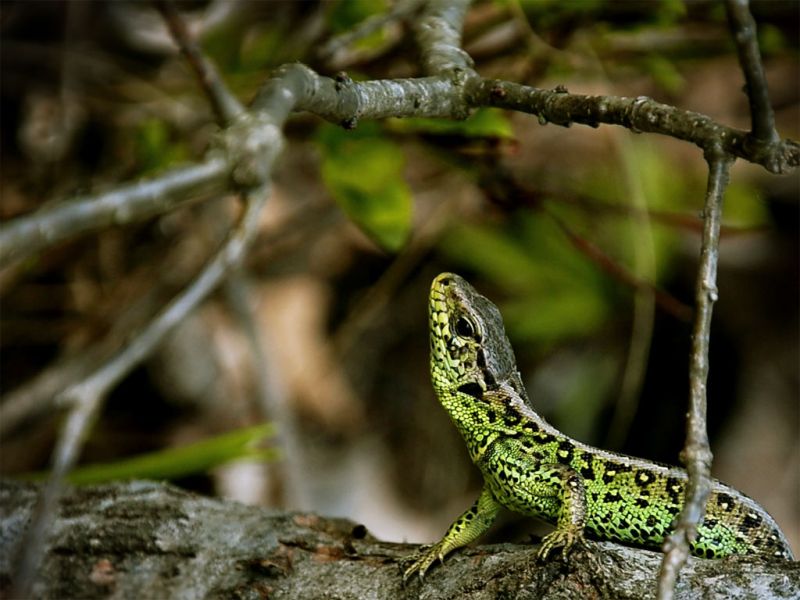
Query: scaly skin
{"points": [[531, 468]]}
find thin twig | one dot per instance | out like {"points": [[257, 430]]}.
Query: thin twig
{"points": [[400, 10], [31, 233], [286, 486], [743, 29], [86, 398], [224, 103], [664, 300], [696, 453]]}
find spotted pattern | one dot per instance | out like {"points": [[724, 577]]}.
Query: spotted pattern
{"points": [[530, 467]]}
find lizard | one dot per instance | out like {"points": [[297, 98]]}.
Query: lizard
{"points": [[531, 468]]}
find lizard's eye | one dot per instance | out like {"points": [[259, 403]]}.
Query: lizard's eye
{"points": [[464, 328]]}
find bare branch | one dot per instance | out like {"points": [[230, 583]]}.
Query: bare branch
{"points": [[637, 114], [665, 301], [296, 87], [31, 233], [696, 453], [743, 29], [224, 103], [286, 485], [439, 38], [86, 398]]}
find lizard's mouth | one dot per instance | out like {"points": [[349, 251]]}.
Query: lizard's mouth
{"points": [[438, 317]]}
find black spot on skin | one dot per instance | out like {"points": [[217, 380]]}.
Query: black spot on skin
{"points": [[751, 521], [511, 416], [472, 389], [624, 524], [642, 502], [587, 472], [725, 502], [651, 521], [491, 416], [564, 452], [709, 553], [481, 359], [607, 478], [674, 487]]}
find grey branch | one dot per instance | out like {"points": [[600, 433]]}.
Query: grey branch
{"points": [[439, 38], [149, 540], [696, 453], [296, 87], [27, 235], [743, 28], [637, 114]]}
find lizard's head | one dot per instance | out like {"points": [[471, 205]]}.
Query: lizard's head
{"points": [[469, 348]]}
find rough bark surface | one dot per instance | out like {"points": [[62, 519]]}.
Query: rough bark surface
{"points": [[152, 540]]}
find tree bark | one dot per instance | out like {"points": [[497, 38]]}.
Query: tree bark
{"points": [[153, 540]]}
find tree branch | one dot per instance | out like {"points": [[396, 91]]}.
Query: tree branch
{"points": [[696, 453], [743, 29], [296, 87], [637, 114], [438, 33], [31, 233], [151, 540], [224, 103]]}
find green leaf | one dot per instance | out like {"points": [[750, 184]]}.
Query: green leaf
{"points": [[364, 173], [178, 462], [484, 122]]}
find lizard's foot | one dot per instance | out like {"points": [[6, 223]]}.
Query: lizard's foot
{"points": [[566, 539], [421, 560]]}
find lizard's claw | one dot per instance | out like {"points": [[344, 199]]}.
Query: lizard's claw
{"points": [[422, 561], [566, 539]]}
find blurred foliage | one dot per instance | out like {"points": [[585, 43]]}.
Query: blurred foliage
{"points": [[547, 14], [155, 148], [173, 463], [363, 171], [554, 293], [346, 14]]}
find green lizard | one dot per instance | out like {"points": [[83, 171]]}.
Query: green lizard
{"points": [[531, 468]]}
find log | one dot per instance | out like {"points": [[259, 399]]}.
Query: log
{"points": [[145, 539]]}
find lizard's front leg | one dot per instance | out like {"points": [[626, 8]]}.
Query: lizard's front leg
{"points": [[466, 528], [547, 490], [573, 508]]}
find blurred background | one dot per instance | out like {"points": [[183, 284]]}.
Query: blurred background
{"points": [[587, 239]]}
